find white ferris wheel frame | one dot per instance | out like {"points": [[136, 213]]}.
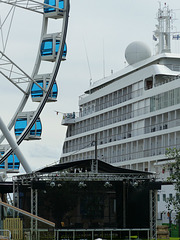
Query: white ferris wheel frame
{"points": [[38, 7]]}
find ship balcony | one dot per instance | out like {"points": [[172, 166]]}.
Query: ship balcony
{"points": [[54, 8], [50, 47], [68, 118], [12, 164]]}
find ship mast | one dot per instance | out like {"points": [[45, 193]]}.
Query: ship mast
{"points": [[163, 29]]}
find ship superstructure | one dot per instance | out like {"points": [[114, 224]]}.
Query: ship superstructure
{"points": [[134, 113]]}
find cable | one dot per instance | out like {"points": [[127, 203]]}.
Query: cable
{"points": [[88, 62], [90, 144]]}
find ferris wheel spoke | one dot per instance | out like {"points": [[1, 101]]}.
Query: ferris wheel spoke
{"points": [[4, 41], [31, 5], [13, 83], [15, 74]]}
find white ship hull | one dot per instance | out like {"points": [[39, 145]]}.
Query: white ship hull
{"points": [[135, 114]]}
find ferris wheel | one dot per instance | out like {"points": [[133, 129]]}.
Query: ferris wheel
{"points": [[40, 86]]}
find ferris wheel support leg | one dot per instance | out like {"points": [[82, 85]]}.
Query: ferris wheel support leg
{"points": [[14, 147]]}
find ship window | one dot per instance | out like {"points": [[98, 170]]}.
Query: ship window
{"points": [[93, 108], [164, 197], [148, 83], [177, 196], [170, 196], [84, 111]]}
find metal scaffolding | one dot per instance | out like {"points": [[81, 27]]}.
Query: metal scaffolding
{"points": [[153, 214], [34, 211], [133, 178]]}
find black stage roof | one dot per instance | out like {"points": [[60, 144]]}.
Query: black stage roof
{"points": [[6, 187], [103, 167]]}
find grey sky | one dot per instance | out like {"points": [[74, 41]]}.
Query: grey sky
{"points": [[94, 24]]}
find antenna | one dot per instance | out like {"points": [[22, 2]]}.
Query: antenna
{"points": [[103, 61], [90, 81], [163, 29]]}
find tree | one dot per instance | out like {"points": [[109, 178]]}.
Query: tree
{"points": [[174, 177]]}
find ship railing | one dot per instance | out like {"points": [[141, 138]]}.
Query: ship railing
{"points": [[148, 152], [173, 67], [137, 155], [125, 135], [108, 121], [83, 96], [69, 118], [167, 79], [72, 115]]}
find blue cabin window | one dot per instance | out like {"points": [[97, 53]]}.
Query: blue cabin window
{"points": [[36, 129], [21, 124], [16, 162], [53, 3], [64, 50], [57, 46], [47, 48], [37, 92], [13, 162], [10, 162]]}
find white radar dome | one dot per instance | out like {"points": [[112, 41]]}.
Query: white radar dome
{"points": [[136, 52]]}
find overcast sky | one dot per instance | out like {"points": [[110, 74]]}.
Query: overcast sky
{"points": [[99, 32]]}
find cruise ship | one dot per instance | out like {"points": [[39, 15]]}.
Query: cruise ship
{"points": [[135, 113]]}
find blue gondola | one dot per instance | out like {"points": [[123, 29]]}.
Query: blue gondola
{"points": [[13, 162], [47, 48], [37, 92], [35, 132], [53, 3]]}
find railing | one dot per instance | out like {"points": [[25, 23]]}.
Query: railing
{"points": [[74, 146], [89, 234], [122, 116], [83, 96], [32, 216], [5, 233], [69, 118], [109, 103], [122, 98], [115, 233]]}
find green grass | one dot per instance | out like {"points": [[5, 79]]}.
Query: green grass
{"points": [[171, 238]]}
